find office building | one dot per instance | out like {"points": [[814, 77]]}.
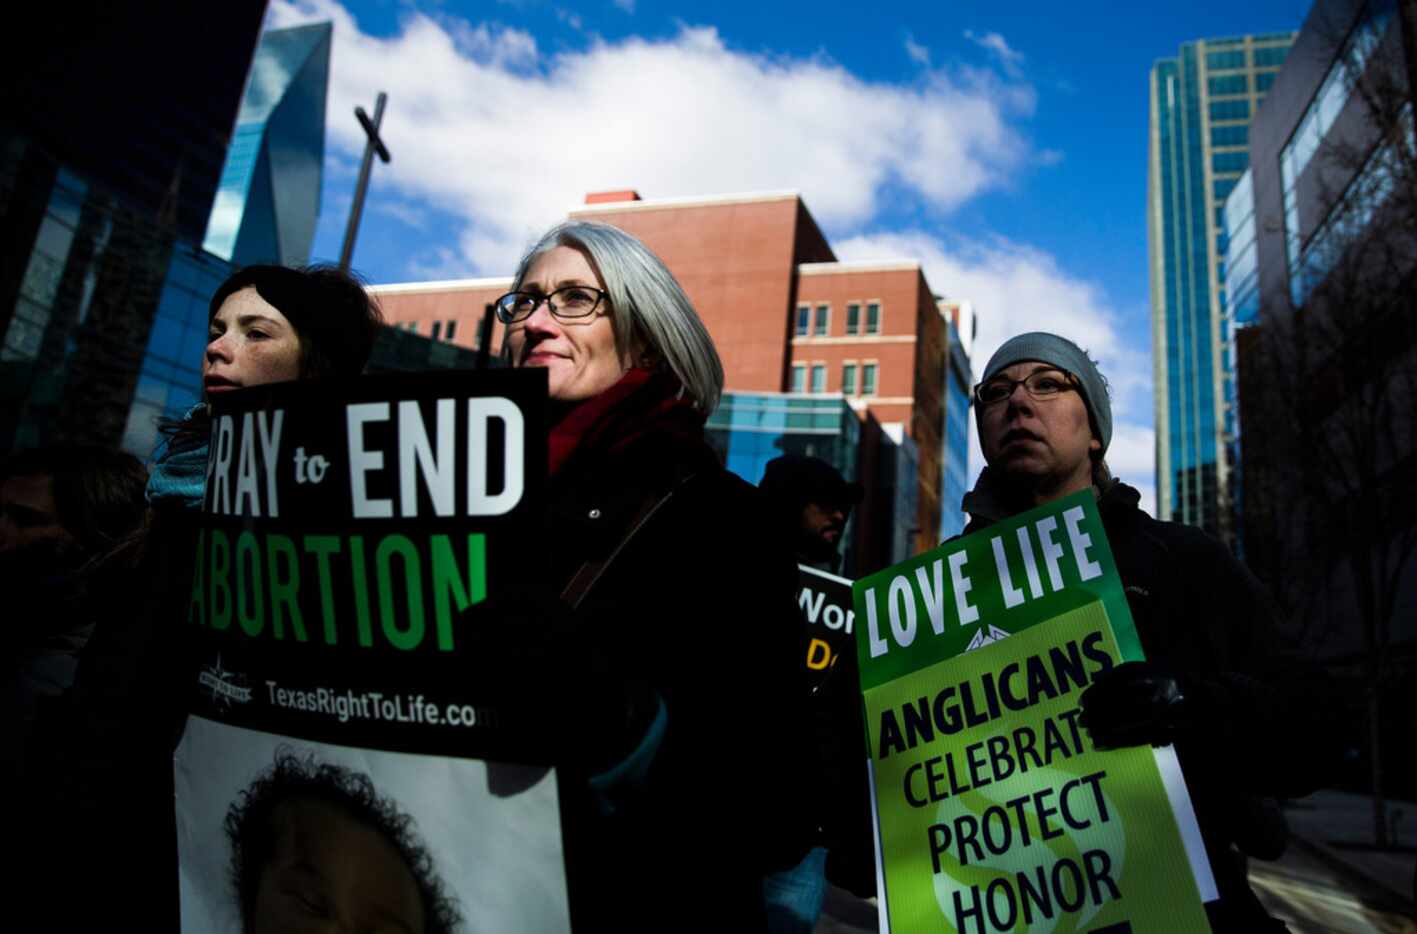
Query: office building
{"points": [[109, 159], [269, 198], [170, 369], [264, 211], [959, 385], [804, 338], [1201, 105], [1328, 370]]}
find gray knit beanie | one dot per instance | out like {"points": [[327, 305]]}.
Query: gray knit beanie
{"points": [[1062, 353]]}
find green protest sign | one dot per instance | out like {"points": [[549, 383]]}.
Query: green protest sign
{"points": [[994, 811]]}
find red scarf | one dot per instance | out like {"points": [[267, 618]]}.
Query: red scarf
{"points": [[640, 402]]}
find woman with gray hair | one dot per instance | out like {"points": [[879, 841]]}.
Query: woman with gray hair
{"points": [[657, 623]]}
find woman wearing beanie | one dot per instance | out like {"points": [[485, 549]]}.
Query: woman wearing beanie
{"points": [[1248, 724]]}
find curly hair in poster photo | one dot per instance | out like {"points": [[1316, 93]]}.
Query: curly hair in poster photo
{"points": [[312, 841]]}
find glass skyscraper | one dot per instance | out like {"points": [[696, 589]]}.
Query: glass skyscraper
{"points": [[266, 206], [268, 199], [1202, 102], [170, 381], [99, 188]]}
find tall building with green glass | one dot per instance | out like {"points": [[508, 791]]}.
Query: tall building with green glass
{"points": [[1201, 104]]}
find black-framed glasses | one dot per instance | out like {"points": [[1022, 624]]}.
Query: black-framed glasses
{"points": [[569, 301], [1040, 384]]}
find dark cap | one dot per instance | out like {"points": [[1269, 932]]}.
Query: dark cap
{"points": [[801, 479], [1060, 352]]}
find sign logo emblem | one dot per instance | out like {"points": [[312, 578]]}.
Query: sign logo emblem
{"points": [[226, 687], [982, 638]]}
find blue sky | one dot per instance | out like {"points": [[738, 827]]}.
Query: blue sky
{"points": [[1002, 145]]}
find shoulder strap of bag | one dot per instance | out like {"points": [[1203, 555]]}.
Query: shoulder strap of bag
{"points": [[590, 572]]}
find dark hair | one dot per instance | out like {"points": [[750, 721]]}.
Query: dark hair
{"points": [[336, 319], [251, 829], [98, 492]]}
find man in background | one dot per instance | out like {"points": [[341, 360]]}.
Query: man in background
{"points": [[61, 507], [815, 502]]}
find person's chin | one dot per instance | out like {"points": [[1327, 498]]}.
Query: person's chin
{"points": [[1024, 464], [563, 388]]}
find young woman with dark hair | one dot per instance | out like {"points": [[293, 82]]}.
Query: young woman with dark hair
{"points": [[102, 772]]}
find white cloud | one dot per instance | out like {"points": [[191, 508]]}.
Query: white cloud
{"points": [[997, 44], [486, 127], [410, 215], [437, 264], [502, 48], [1017, 288], [918, 53], [627, 5], [1132, 457]]}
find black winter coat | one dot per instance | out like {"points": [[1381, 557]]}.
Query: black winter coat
{"points": [[1199, 612], [100, 813], [700, 606]]}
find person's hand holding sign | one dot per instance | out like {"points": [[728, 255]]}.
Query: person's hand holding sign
{"points": [[545, 670], [1141, 703]]}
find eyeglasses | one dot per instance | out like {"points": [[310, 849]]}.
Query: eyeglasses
{"points": [[571, 301], [1040, 384]]}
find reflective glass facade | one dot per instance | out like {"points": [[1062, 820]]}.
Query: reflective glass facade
{"points": [[1242, 290], [955, 463], [1241, 266], [97, 188], [170, 381], [268, 199], [1201, 104], [71, 337], [750, 429], [1310, 259], [901, 463]]}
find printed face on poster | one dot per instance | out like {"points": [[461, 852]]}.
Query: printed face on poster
{"points": [[994, 811], [337, 762]]}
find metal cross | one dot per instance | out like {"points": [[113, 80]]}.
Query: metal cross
{"points": [[374, 145]]}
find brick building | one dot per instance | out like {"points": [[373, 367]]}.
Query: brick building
{"points": [[787, 319]]}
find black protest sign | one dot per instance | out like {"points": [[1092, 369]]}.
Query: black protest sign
{"points": [[348, 539], [351, 537], [826, 605]]}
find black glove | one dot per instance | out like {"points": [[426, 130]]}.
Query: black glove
{"points": [[540, 667], [1141, 703]]}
